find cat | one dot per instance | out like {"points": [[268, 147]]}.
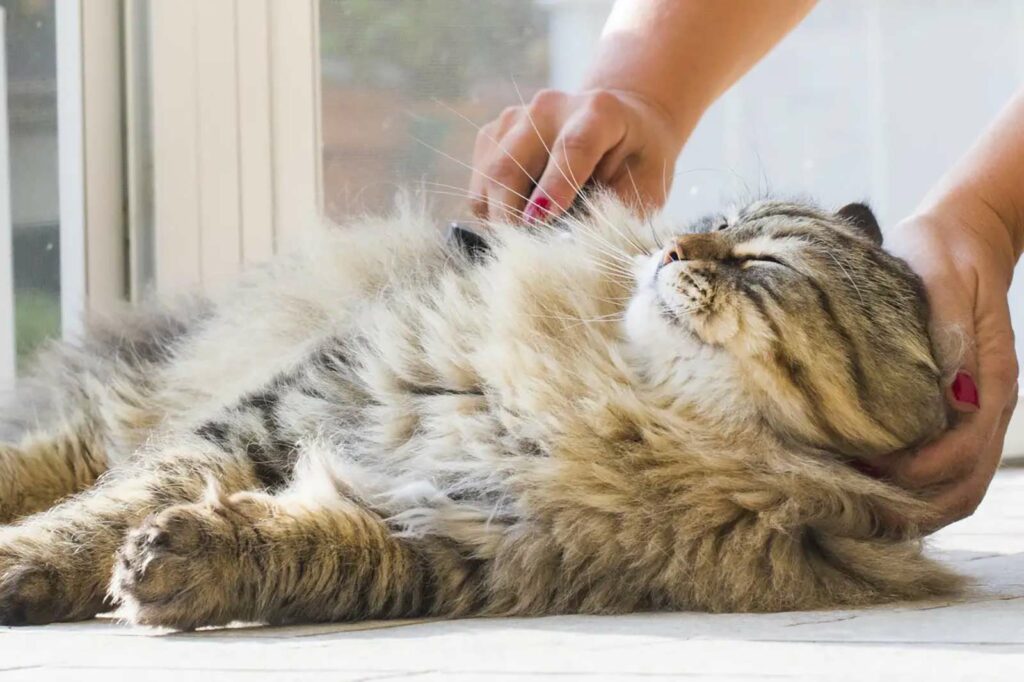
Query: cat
{"points": [[602, 416]]}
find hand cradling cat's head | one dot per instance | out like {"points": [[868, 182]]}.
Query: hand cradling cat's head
{"points": [[825, 333]]}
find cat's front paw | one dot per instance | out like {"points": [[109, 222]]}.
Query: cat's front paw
{"points": [[29, 593], [181, 568], [39, 586]]}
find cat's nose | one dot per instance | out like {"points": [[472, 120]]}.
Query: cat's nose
{"points": [[693, 247], [676, 251]]}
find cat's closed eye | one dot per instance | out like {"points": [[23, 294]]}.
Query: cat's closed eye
{"points": [[761, 259]]}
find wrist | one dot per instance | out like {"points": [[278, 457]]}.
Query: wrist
{"points": [[674, 120], [973, 214]]}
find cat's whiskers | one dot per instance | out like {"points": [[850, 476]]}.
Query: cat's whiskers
{"points": [[493, 139], [467, 166], [636, 191]]}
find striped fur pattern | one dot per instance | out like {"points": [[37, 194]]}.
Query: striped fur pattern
{"points": [[600, 417]]}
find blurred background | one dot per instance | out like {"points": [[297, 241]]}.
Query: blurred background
{"points": [[244, 117], [32, 134]]}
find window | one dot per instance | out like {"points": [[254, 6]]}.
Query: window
{"points": [[61, 203], [403, 84], [31, 98]]}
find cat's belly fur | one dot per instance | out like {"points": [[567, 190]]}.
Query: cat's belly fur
{"points": [[378, 396]]}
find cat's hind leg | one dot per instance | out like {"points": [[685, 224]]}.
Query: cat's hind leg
{"points": [[283, 559]]}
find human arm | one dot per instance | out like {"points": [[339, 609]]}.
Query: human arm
{"points": [[660, 64]]}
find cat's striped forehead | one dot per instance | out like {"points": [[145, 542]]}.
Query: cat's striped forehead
{"points": [[802, 219]]}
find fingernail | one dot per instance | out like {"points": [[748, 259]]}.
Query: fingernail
{"points": [[965, 390], [538, 209]]}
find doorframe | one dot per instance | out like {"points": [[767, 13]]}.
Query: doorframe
{"points": [[90, 160]]}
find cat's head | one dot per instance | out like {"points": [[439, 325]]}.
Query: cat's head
{"points": [[797, 317]]}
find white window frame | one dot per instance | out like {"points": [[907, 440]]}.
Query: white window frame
{"points": [[234, 124], [91, 168]]}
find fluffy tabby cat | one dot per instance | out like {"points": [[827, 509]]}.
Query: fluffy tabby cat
{"points": [[597, 419]]}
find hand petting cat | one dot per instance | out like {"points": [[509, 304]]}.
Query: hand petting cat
{"points": [[661, 63], [617, 139], [964, 241], [640, 103]]}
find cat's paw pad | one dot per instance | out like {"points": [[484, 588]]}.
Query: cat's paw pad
{"points": [[177, 568]]}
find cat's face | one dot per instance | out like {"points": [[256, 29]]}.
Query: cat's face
{"points": [[822, 333]]}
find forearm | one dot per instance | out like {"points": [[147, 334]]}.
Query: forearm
{"points": [[988, 182], [682, 54]]}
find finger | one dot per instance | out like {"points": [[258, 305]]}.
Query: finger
{"points": [[962, 499], [953, 455], [575, 154], [477, 196], [520, 160], [483, 150], [952, 308]]}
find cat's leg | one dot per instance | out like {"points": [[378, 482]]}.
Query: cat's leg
{"points": [[84, 405], [46, 467], [57, 566], [260, 558]]}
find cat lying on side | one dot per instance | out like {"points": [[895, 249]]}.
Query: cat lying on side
{"points": [[602, 418]]}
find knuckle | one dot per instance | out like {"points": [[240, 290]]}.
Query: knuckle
{"points": [[546, 100], [602, 103], [503, 169], [488, 130], [1011, 370], [509, 115], [967, 506], [578, 139]]}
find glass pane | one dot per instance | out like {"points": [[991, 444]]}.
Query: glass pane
{"points": [[400, 78], [32, 110]]}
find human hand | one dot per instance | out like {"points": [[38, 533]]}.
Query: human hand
{"points": [[966, 260], [531, 162]]}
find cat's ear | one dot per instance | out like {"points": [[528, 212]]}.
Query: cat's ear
{"points": [[861, 217]]}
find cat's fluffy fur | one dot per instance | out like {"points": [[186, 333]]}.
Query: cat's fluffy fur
{"points": [[380, 427]]}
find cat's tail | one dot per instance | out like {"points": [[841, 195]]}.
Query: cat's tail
{"points": [[848, 571]]}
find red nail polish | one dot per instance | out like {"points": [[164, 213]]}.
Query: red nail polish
{"points": [[965, 390], [538, 209]]}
